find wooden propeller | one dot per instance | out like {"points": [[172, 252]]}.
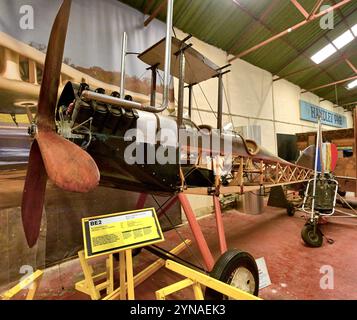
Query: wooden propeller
{"points": [[64, 163]]}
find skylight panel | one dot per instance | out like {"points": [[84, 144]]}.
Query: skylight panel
{"points": [[343, 39], [323, 54], [354, 30], [352, 85]]}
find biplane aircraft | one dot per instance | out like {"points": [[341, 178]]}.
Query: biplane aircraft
{"points": [[89, 136], [324, 189]]}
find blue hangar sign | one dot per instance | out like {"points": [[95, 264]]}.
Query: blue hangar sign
{"points": [[310, 112]]}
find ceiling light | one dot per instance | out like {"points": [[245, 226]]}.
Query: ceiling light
{"points": [[343, 39], [352, 85], [354, 30], [323, 54]]}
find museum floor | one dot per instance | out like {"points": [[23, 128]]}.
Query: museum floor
{"points": [[293, 268]]}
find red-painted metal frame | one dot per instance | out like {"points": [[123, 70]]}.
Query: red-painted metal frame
{"points": [[197, 232], [300, 8], [167, 206], [308, 47], [330, 62], [288, 30], [355, 136], [315, 8], [141, 201], [220, 226], [252, 27], [351, 65], [330, 84], [194, 225], [143, 197]]}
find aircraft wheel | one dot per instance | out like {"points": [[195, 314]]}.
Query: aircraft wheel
{"points": [[238, 269], [310, 237], [290, 209]]}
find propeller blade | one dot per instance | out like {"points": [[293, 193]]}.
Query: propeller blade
{"points": [[33, 196], [52, 69], [36, 178], [67, 165]]}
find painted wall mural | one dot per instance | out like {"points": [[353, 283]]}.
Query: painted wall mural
{"points": [[92, 52], [92, 55]]}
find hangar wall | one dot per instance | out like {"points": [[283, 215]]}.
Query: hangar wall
{"points": [[252, 98]]}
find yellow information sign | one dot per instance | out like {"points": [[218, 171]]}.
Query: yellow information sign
{"points": [[120, 231]]}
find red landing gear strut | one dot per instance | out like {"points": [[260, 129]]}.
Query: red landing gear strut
{"points": [[234, 267]]}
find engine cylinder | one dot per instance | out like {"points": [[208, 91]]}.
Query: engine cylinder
{"points": [[112, 121], [100, 113], [113, 118], [85, 112], [129, 117]]}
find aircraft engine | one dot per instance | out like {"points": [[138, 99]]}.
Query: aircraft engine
{"points": [[100, 112], [77, 119]]}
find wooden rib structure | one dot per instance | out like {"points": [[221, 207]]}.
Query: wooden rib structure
{"points": [[249, 174]]}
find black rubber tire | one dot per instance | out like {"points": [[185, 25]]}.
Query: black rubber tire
{"points": [[290, 210], [311, 239], [135, 252], [224, 267]]}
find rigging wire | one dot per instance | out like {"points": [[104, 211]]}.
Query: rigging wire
{"points": [[143, 74], [199, 85], [214, 113], [198, 110], [177, 232], [229, 107], [174, 32], [346, 203]]}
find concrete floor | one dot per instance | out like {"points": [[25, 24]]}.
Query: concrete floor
{"points": [[294, 269]]}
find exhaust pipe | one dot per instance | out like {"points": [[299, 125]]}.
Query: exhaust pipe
{"points": [[135, 105], [123, 61]]}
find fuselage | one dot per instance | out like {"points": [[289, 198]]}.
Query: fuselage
{"points": [[142, 151]]}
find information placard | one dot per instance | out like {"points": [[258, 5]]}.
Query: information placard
{"points": [[120, 231]]}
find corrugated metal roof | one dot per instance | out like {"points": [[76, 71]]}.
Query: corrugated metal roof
{"points": [[235, 28]]}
